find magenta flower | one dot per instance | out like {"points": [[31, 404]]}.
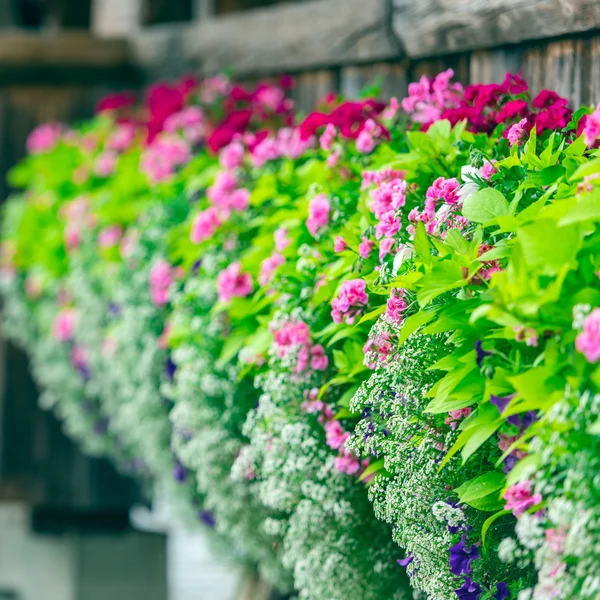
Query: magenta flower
{"points": [[516, 132], [44, 138], [591, 129], [339, 245], [64, 325], [318, 214], [232, 155], [231, 283], [161, 279], [110, 236], [350, 301], [388, 226], [519, 498], [336, 437], [396, 305], [365, 247], [205, 225], [268, 268], [318, 359], [442, 189], [588, 341], [347, 463]]}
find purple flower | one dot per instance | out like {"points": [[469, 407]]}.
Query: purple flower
{"points": [[101, 426], [207, 518], [180, 473], [481, 353], [509, 462], [502, 591], [469, 590], [404, 562], [461, 556], [501, 402], [170, 368], [523, 421]]}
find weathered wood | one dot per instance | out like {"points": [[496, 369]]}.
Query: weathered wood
{"points": [[312, 87], [285, 38], [438, 27], [391, 76]]}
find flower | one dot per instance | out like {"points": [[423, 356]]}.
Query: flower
{"points": [[318, 214], [336, 437], [232, 155], [110, 236], [385, 247], [469, 590], [591, 129], [519, 498], [396, 304], [282, 241], [339, 245], [555, 538], [447, 190], [205, 225], [461, 557], [516, 132], [588, 341], [268, 267], [231, 282], [327, 137], [319, 360], [350, 301], [161, 278], [365, 247], [488, 170], [44, 138], [455, 415], [388, 226], [347, 463], [64, 325], [122, 138], [502, 591]]}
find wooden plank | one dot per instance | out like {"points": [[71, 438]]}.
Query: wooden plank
{"points": [[437, 27], [391, 76], [285, 38], [312, 87]]}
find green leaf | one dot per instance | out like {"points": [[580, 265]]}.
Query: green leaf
{"points": [[373, 468], [370, 316], [485, 205], [489, 522], [414, 322], [479, 487]]}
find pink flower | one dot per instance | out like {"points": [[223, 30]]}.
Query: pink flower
{"points": [[385, 247], [318, 214], [365, 143], [339, 245], [350, 301], [231, 283], [333, 158], [392, 110], [442, 189], [265, 151], [335, 435], [160, 159], [302, 359], [64, 325], [516, 132], [555, 538], [72, 236], [378, 350], [282, 241], [454, 416], [205, 224], [224, 195], [327, 138], [33, 287], [232, 155], [388, 196], [290, 334], [388, 226], [591, 130], [588, 341], [268, 268], [365, 247], [110, 236], [122, 138], [106, 164], [161, 279], [318, 360], [396, 305], [519, 498], [44, 138], [347, 463], [488, 170]]}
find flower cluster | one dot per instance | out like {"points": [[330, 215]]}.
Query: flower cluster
{"points": [[361, 350]]}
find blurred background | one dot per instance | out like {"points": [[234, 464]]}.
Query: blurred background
{"points": [[71, 528]]}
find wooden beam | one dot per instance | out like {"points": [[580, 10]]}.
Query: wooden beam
{"points": [[438, 27], [288, 37]]}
